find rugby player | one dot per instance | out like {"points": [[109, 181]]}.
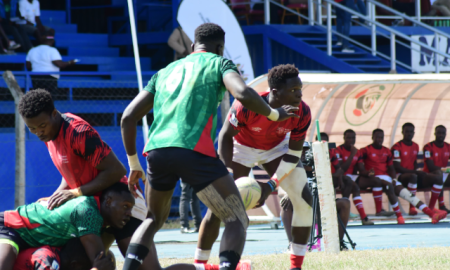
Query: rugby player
{"points": [[436, 155], [350, 162], [185, 96], [379, 158], [34, 225], [405, 163], [249, 138], [87, 164]]}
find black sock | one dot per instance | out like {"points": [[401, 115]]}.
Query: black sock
{"points": [[229, 260], [135, 256]]}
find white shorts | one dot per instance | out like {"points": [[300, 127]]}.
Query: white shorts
{"points": [[249, 157], [387, 178], [139, 210], [353, 176]]}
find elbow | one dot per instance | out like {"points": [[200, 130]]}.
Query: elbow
{"points": [[244, 95], [127, 118]]}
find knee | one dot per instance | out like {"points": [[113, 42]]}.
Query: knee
{"points": [[347, 181], [413, 179], [355, 187]]}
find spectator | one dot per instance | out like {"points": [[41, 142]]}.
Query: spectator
{"points": [[443, 6], [20, 36], [180, 43], [188, 196], [30, 11], [10, 46], [360, 7], [45, 58], [343, 23]]}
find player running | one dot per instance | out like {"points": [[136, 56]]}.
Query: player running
{"points": [[185, 96], [436, 155], [34, 225], [249, 138], [405, 163], [87, 164], [379, 158], [351, 161]]}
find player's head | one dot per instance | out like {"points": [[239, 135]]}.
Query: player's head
{"points": [[209, 37], [116, 205], [349, 137], [408, 131], [38, 111], [73, 256], [378, 136], [440, 132], [285, 85], [323, 137]]}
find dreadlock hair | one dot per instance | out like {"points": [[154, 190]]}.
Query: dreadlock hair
{"points": [[35, 102], [209, 32], [279, 74]]}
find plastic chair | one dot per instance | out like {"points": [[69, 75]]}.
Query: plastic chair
{"points": [[297, 7]]}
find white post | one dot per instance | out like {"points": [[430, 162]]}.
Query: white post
{"points": [[137, 62], [374, 31], [311, 12], [329, 33], [327, 200], [267, 11], [20, 181], [393, 53], [436, 55], [418, 10], [319, 12]]}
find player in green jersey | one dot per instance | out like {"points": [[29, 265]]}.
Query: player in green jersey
{"points": [[184, 97], [34, 225]]}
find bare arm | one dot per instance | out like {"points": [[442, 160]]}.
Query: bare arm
{"points": [[62, 64], [174, 44], [398, 168], [391, 171], [63, 185], [345, 165], [39, 25], [431, 166], [362, 170], [226, 143], [93, 246], [28, 64]]}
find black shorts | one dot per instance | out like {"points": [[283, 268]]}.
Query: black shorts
{"points": [[10, 234], [125, 232], [165, 166]]}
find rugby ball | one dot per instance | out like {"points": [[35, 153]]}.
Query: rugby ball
{"points": [[250, 191]]}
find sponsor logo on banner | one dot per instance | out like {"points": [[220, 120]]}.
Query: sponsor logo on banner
{"points": [[363, 103], [423, 59], [192, 13]]}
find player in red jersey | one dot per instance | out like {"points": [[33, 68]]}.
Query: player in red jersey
{"points": [[405, 162], [379, 158], [248, 138], [436, 155], [350, 162], [86, 163]]}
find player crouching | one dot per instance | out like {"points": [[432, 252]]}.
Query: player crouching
{"points": [[248, 138]]}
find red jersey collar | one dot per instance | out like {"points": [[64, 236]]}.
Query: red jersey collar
{"points": [[199, 52]]}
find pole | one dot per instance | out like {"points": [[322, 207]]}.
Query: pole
{"points": [[374, 31], [393, 53], [267, 12], [311, 12], [318, 131], [436, 56], [329, 34], [137, 63]]}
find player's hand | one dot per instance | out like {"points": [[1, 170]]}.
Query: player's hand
{"points": [[286, 203], [102, 262], [286, 112], [60, 197], [265, 192], [372, 172], [133, 182]]}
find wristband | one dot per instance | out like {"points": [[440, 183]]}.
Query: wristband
{"points": [[273, 183], [274, 115], [76, 192], [133, 162]]}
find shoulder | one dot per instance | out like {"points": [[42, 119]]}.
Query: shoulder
{"points": [[76, 123], [385, 149], [428, 145], [415, 145], [84, 204], [305, 110], [397, 145]]}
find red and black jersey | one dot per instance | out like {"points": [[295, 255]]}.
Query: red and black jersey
{"points": [[38, 258], [258, 132], [377, 159], [77, 150], [334, 159], [439, 155], [345, 154], [405, 154]]}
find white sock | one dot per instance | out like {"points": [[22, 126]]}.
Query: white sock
{"points": [[298, 249], [202, 255]]}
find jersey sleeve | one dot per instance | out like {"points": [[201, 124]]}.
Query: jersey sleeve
{"points": [[227, 66], [55, 55], [427, 151], [151, 86], [238, 115], [46, 258], [359, 155], [86, 218], [363, 154], [389, 159], [396, 152], [299, 132], [87, 144]]}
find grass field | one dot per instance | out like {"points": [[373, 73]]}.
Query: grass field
{"points": [[403, 258]]}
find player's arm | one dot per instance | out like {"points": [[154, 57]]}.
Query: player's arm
{"points": [[360, 165], [346, 164], [252, 101], [427, 154], [391, 172], [397, 161], [28, 64], [93, 246], [141, 105], [226, 144]]}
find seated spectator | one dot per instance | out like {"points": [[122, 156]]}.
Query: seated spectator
{"points": [[443, 6], [180, 43], [9, 45], [20, 36], [30, 11], [45, 58]]}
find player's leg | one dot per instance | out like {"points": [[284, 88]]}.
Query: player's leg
{"points": [[8, 255], [388, 188], [410, 180], [287, 212], [210, 226], [343, 210], [346, 186], [445, 177], [435, 181], [405, 194], [377, 193], [357, 200]]}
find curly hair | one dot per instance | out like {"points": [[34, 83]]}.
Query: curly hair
{"points": [[279, 74], [440, 126], [377, 130], [117, 188], [209, 32], [34, 102], [408, 124], [349, 131]]}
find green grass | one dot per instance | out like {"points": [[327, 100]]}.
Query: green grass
{"points": [[401, 258]]}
